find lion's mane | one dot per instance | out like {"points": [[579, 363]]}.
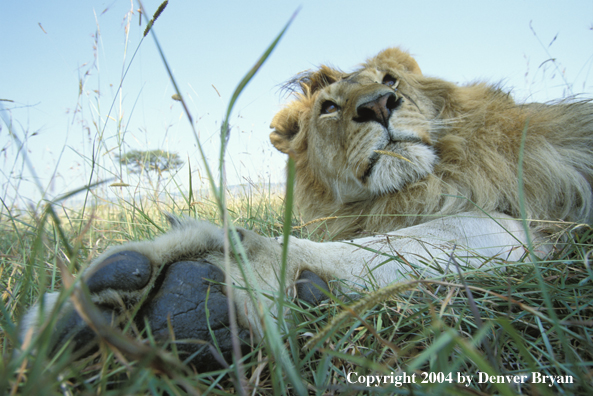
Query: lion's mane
{"points": [[474, 133]]}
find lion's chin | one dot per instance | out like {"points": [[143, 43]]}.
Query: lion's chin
{"points": [[390, 173]]}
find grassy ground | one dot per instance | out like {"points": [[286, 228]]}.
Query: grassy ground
{"points": [[439, 332], [534, 319]]}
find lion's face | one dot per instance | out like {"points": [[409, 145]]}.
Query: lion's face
{"points": [[362, 134]]}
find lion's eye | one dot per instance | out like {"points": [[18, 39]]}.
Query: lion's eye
{"points": [[329, 107], [390, 81]]}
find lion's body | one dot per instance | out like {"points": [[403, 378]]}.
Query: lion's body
{"points": [[474, 133]]}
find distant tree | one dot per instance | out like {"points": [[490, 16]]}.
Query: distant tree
{"points": [[158, 161]]}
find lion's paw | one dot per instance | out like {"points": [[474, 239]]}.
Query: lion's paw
{"points": [[176, 289], [184, 304]]}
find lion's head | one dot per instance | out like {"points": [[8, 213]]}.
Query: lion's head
{"points": [[346, 125], [385, 140]]}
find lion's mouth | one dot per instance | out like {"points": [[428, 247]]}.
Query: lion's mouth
{"points": [[392, 149], [372, 162]]}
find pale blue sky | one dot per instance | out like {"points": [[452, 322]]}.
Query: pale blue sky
{"points": [[48, 47]]}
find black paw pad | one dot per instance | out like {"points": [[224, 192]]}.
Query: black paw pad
{"points": [[307, 291], [183, 297], [124, 271], [73, 327]]}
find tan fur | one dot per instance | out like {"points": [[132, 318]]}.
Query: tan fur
{"points": [[474, 132]]}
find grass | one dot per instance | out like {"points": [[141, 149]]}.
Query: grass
{"points": [[531, 318], [426, 330]]}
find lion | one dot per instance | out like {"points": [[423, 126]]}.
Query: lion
{"points": [[457, 149], [397, 173]]}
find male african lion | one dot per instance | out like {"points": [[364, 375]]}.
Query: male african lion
{"points": [[417, 165], [457, 147]]}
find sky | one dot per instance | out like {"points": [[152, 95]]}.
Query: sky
{"points": [[62, 62]]}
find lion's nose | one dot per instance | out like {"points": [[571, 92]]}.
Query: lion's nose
{"points": [[378, 109]]}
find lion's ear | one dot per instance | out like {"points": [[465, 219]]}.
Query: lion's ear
{"points": [[285, 127], [395, 58], [313, 81]]}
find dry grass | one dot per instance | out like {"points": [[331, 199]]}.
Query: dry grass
{"points": [[431, 329]]}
